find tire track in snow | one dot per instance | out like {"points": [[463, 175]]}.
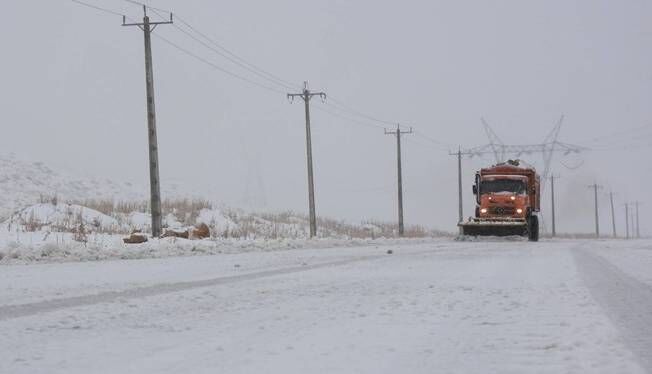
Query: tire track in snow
{"points": [[25, 310], [628, 301]]}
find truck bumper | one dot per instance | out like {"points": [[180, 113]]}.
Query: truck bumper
{"points": [[494, 227]]}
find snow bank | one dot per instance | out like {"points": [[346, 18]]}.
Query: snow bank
{"points": [[60, 247], [64, 216], [216, 219]]}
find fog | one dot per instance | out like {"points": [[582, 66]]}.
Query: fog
{"points": [[73, 96]]}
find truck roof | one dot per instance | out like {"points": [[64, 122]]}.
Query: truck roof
{"points": [[507, 169], [506, 176]]}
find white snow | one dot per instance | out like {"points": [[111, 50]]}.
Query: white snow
{"points": [[215, 218], [23, 183], [63, 215], [444, 306], [17, 247], [635, 259]]}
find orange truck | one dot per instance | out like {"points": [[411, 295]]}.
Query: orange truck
{"points": [[508, 200]]}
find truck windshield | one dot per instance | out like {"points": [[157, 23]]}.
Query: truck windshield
{"points": [[502, 185]]}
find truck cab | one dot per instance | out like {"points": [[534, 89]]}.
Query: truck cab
{"points": [[507, 201], [502, 196]]}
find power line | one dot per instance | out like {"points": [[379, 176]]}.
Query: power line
{"points": [[429, 146], [253, 68], [338, 107], [109, 11], [432, 140], [242, 60], [344, 107], [217, 48], [352, 120], [235, 59], [221, 50], [217, 67], [146, 5]]}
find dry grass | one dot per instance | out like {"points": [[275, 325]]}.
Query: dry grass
{"points": [[184, 210], [285, 224]]}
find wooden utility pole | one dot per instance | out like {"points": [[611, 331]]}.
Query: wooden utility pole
{"points": [[306, 95], [154, 181], [460, 202], [398, 132], [627, 220], [552, 201], [613, 214], [595, 188], [638, 228]]}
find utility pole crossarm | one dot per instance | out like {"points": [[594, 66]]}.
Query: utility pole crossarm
{"points": [[398, 130], [124, 21]]}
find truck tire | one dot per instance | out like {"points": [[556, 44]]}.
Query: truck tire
{"points": [[533, 228]]}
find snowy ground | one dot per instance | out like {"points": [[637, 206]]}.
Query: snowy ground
{"points": [[444, 306], [39, 246]]}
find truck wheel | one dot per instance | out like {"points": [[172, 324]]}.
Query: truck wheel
{"points": [[533, 228]]}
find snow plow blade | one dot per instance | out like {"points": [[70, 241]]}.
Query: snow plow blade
{"points": [[494, 228]]}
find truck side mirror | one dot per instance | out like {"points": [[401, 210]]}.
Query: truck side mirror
{"points": [[476, 189]]}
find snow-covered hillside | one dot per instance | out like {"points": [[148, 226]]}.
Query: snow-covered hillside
{"points": [[23, 183], [37, 201]]}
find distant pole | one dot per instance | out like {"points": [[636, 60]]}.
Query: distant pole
{"points": [[154, 181], [613, 215], [306, 95], [638, 228], [398, 133], [632, 222], [595, 187], [627, 220], [460, 200], [552, 201], [459, 186]]}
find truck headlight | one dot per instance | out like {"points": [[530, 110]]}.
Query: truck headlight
{"points": [[519, 210], [483, 210], [513, 198]]}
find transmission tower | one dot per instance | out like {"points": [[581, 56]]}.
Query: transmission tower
{"points": [[547, 148]]}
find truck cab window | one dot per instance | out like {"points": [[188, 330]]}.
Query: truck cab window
{"points": [[503, 185]]}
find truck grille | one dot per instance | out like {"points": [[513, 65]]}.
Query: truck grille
{"points": [[502, 210]]}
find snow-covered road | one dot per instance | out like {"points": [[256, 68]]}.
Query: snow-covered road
{"points": [[458, 307]]}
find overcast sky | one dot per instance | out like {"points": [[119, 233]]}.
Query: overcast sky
{"points": [[73, 96]]}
